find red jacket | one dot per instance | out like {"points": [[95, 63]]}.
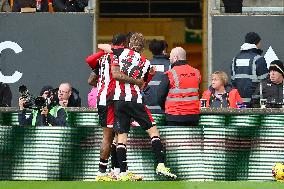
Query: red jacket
{"points": [[93, 59], [183, 96], [233, 97]]}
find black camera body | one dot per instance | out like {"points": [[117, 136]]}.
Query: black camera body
{"points": [[34, 102]]}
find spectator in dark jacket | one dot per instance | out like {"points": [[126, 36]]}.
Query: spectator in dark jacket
{"points": [[69, 5], [162, 64], [248, 68], [18, 4], [5, 95], [271, 88]]}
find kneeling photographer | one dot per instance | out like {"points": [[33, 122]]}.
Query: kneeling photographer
{"points": [[44, 110]]}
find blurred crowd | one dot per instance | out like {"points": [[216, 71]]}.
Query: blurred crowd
{"points": [[44, 5]]}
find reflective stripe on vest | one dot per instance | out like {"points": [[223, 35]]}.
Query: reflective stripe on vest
{"points": [[188, 90], [175, 77], [183, 99], [253, 75], [246, 99], [154, 83], [34, 113]]}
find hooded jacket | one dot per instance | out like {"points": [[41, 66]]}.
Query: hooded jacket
{"points": [[247, 70], [272, 92]]}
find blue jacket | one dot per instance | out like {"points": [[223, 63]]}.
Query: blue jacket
{"points": [[248, 69], [162, 64]]}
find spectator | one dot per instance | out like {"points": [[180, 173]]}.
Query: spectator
{"points": [[248, 67], [69, 5], [271, 88], [52, 115], [162, 64], [221, 94], [67, 96], [233, 6], [5, 95], [178, 91], [18, 4], [92, 95]]}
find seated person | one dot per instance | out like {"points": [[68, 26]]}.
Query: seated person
{"points": [[67, 96], [271, 88], [18, 4], [221, 94], [53, 115], [5, 95], [92, 95], [69, 5]]}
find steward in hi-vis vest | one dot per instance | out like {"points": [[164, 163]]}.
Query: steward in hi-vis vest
{"points": [[179, 91]]}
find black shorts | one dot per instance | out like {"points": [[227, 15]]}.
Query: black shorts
{"points": [[106, 115], [124, 111]]}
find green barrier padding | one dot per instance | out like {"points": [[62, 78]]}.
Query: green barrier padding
{"points": [[223, 147]]}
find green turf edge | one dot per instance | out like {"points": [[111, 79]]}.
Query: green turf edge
{"points": [[139, 185]]}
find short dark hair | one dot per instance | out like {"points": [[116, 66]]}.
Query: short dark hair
{"points": [[157, 46], [252, 38], [118, 39]]}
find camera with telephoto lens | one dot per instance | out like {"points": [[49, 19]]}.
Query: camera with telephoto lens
{"points": [[34, 102]]}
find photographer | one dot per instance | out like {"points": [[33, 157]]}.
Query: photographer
{"points": [[45, 111]]}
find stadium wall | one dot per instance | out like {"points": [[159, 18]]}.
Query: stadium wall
{"points": [[54, 47], [226, 35]]}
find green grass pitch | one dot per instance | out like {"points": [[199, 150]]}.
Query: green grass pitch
{"points": [[139, 185]]}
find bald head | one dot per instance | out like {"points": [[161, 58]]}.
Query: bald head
{"points": [[176, 54], [64, 91]]}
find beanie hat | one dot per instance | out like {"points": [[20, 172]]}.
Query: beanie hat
{"points": [[277, 65], [252, 38], [45, 88]]}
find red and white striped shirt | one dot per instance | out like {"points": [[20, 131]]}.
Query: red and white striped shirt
{"points": [[106, 83], [134, 65]]}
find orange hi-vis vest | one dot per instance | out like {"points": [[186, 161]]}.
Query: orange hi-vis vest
{"points": [[183, 96]]}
